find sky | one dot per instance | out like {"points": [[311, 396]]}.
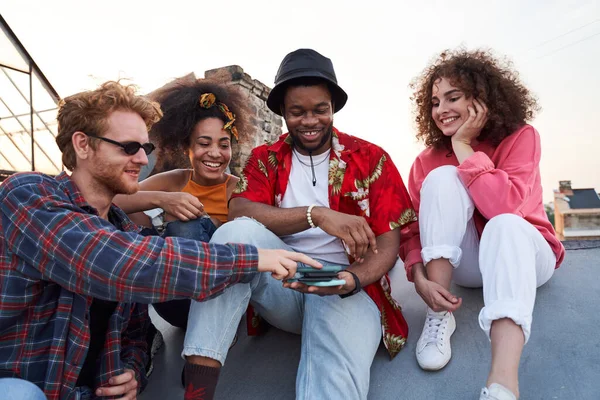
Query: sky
{"points": [[377, 48]]}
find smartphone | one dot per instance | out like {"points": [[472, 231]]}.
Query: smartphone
{"points": [[327, 276]]}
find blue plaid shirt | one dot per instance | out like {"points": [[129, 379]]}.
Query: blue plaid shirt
{"points": [[57, 254]]}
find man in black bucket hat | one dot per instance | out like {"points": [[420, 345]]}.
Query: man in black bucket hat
{"points": [[332, 196], [305, 63]]}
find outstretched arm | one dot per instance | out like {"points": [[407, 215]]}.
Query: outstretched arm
{"points": [[59, 242], [86, 254]]}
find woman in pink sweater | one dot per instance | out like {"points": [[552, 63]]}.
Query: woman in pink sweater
{"points": [[481, 218]]}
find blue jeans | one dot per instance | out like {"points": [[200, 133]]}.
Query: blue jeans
{"points": [[176, 312], [339, 336], [200, 229], [20, 389]]}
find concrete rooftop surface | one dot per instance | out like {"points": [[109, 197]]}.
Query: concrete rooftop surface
{"points": [[561, 360]]}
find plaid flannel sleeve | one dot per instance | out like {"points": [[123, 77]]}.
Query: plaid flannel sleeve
{"points": [[87, 255], [134, 346]]}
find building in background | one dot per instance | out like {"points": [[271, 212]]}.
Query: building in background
{"points": [[576, 213], [28, 107], [266, 125]]}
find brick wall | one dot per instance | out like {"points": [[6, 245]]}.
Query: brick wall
{"points": [[267, 126]]}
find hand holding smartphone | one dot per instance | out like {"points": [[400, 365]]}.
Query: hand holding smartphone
{"points": [[325, 277]]}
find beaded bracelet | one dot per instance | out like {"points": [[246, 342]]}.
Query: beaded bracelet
{"points": [[309, 216]]}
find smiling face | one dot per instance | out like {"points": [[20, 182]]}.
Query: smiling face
{"points": [[210, 151], [110, 167], [449, 106], [308, 114]]}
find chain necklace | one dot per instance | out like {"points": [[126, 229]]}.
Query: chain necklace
{"points": [[308, 165], [312, 165]]}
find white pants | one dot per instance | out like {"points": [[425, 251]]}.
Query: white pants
{"points": [[510, 261]]}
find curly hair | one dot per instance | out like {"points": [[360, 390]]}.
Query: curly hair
{"points": [[180, 104], [480, 75], [88, 112]]}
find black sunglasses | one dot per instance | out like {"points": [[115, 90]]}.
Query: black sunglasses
{"points": [[130, 148]]}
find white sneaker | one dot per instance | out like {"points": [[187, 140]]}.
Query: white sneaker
{"points": [[496, 392], [433, 347]]}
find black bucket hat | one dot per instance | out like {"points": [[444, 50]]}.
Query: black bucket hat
{"points": [[304, 63]]}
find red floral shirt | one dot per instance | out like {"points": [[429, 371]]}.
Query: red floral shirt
{"points": [[363, 181]]}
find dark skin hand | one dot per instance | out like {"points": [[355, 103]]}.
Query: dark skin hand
{"points": [[368, 271], [354, 231]]}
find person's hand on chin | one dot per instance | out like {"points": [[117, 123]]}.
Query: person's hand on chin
{"points": [[471, 129]]}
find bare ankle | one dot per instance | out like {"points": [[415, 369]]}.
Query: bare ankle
{"points": [[200, 360], [440, 271]]}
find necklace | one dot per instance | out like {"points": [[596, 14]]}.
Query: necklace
{"points": [[309, 165]]}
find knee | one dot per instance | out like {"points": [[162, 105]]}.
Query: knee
{"points": [[240, 230], [443, 179], [21, 389], [504, 227], [504, 223], [442, 174]]}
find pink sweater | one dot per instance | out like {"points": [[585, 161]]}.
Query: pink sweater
{"points": [[500, 180]]}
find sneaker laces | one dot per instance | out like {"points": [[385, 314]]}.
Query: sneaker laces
{"points": [[435, 328]]}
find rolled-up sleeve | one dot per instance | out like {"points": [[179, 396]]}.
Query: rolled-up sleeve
{"points": [[505, 188]]}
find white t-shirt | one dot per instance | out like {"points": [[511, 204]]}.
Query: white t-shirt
{"points": [[300, 192]]}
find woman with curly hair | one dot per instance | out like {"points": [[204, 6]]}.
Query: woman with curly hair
{"points": [[201, 119], [481, 217]]}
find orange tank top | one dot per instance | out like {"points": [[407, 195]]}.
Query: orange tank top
{"points": [[213, 197]]}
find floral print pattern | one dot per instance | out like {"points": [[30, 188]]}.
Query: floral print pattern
{"points": [[362, 181]]}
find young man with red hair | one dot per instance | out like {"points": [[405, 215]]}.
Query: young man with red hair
{"points": [[76, 275]]}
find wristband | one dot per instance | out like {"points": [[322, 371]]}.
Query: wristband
{"points": [[357, 287], [309, 216]]}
